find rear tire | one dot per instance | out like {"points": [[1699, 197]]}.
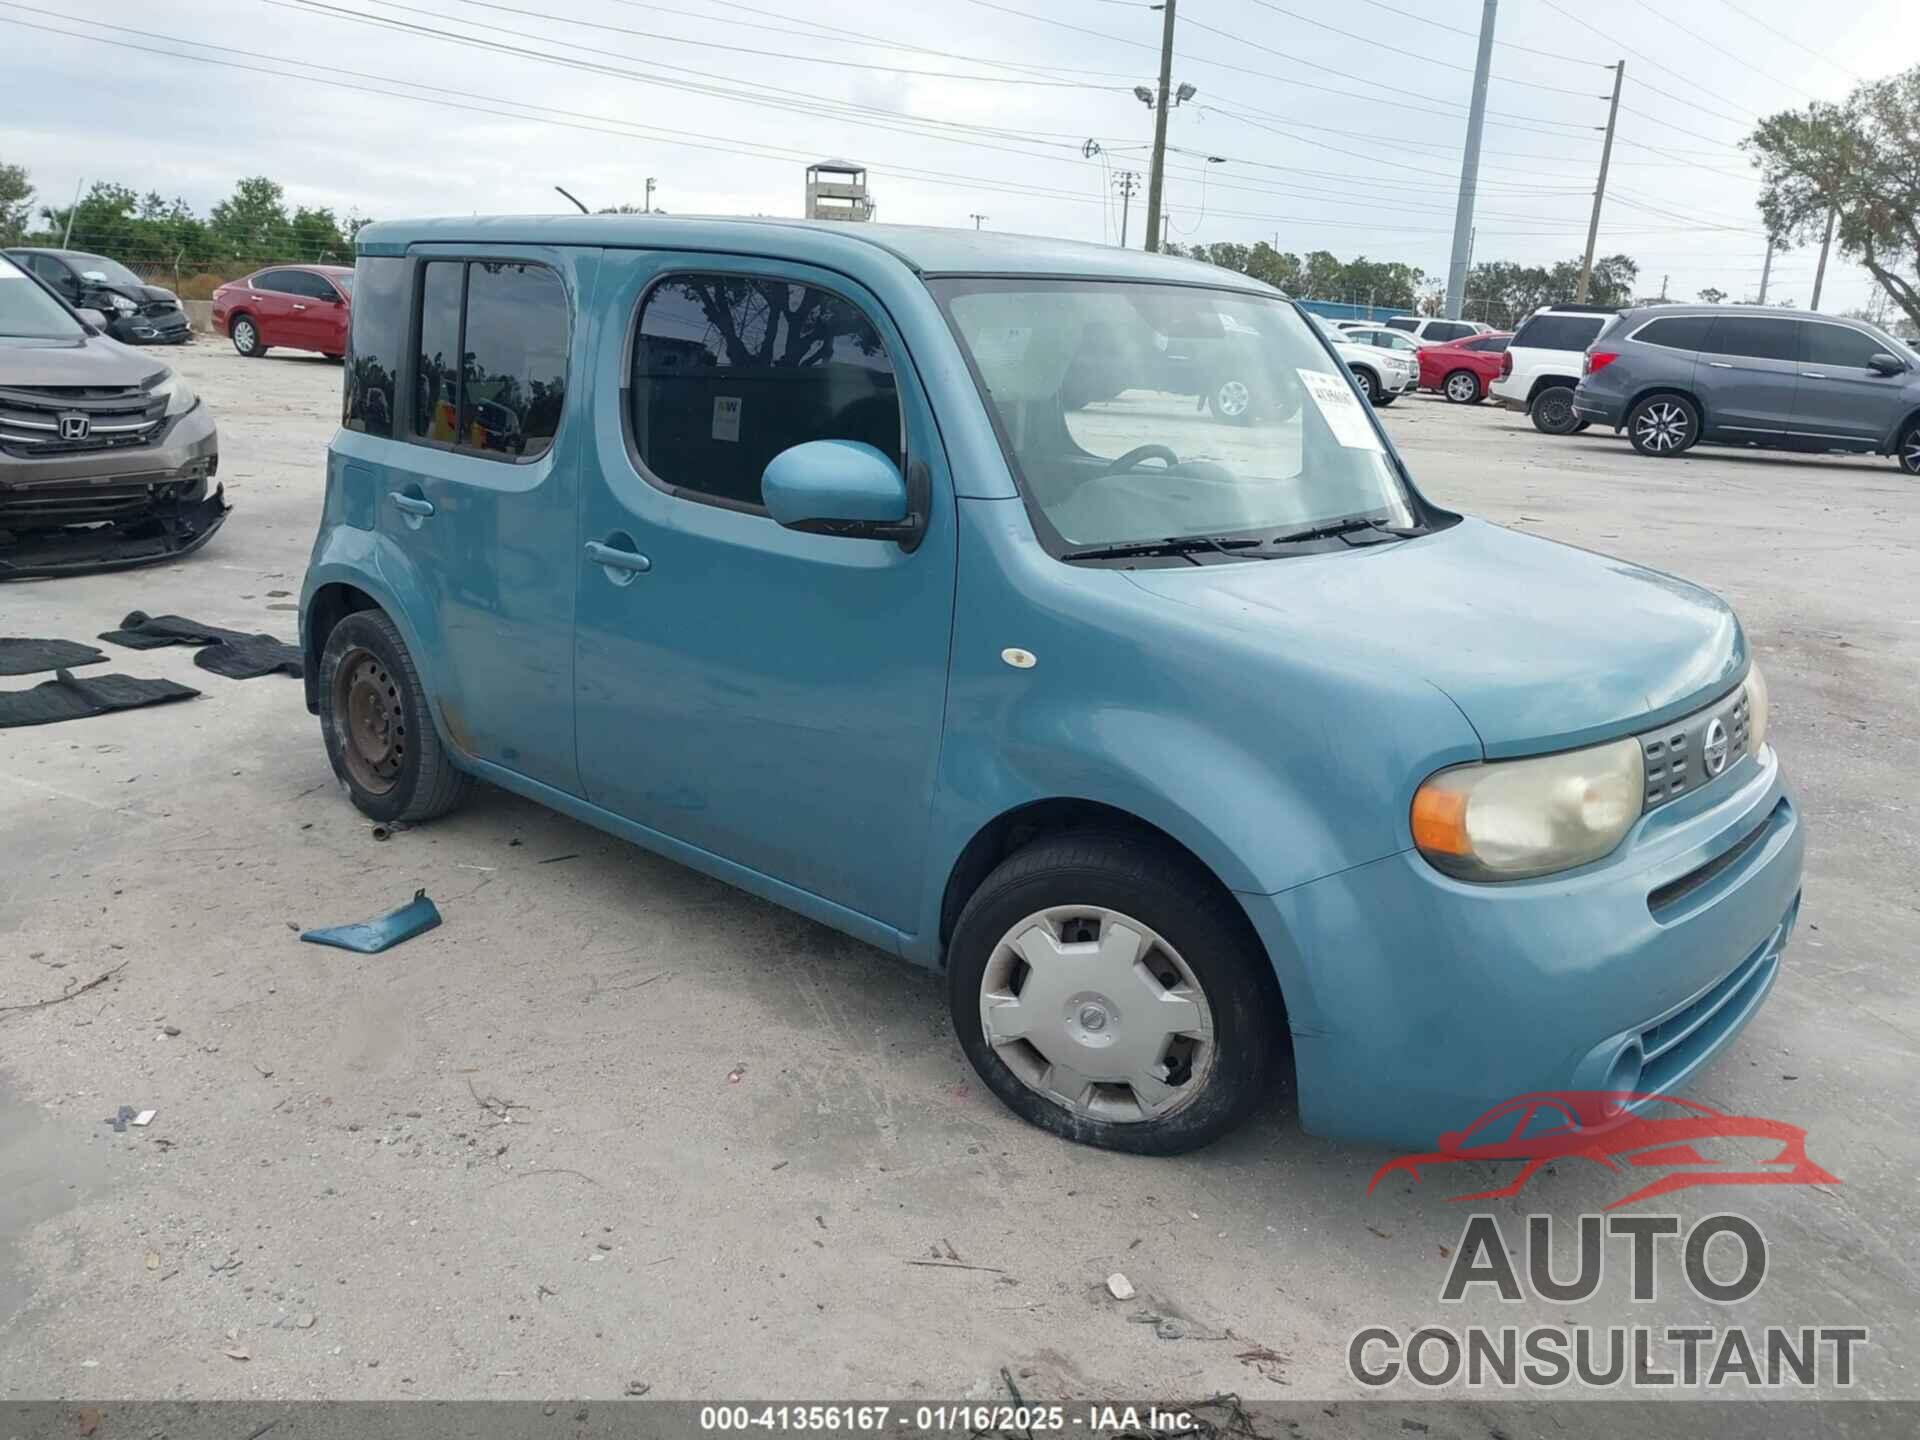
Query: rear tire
{"points": [[1663, 426], [1145, 980], [1462, 387], [1231, 399], [244, 331], [378, 730], [1552, 411]]}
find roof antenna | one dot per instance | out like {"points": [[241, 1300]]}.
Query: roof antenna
{"points": [[575, 198]]}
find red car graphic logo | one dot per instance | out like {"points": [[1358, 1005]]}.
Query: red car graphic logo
{"points": [[1611, 1128]]}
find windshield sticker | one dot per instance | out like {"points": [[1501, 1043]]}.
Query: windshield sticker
{"points": [[1341, 409], [9, 271], [726, 417]]}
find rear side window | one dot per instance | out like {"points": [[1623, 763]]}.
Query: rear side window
{"points": [[1838, 346], [1449, 330], [278, 281], [490, 372], [375, 343], [1754, 337], [1558, 332], [1494, 343], [1676, 332], [729, 370]]}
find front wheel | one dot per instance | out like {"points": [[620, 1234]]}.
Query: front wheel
{"points": [[1909, 452], [1107, 991], [246, 337], [1231, 400], [1384, 399], [377, 728], [1663, 425], [1553, 411], [1369, 386], [1462, 387]]}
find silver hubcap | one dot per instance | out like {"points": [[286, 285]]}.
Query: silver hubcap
{"points": [[1911, 456], [1093, 1010], [1462, 387], [1366, 384], [1662, 426], [1232, 398], [243, 335]]}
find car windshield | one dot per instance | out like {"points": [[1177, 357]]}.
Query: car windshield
{"points": [[99, 267], [1139, 412], [344, 280], [30, 313]]}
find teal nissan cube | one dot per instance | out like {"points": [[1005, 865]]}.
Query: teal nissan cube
{"points": [[1059, 618]]}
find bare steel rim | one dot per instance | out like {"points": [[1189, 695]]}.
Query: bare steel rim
{"points": [[1462, 387], [370, 719], [1662, 425], [1099, 1014], [244, 335], [1232, 398]]}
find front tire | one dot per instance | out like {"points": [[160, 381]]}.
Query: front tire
{"points": [[244, 331], [377, 727], [1552, 411], [1909, 452], [1663, 426], [1231, 400], [1462, 387], [1369, 387], [1109, 991]]}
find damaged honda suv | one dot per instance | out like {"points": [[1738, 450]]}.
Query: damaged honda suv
{"points": [[105, 454]]}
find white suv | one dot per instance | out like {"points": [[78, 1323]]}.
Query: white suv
{"points": [[1543, 364], [1383, 375], [1432, 330]]}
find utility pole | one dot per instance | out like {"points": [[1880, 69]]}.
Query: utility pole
{"points": [[647, 207], [976, 220], [1820, 273], [71, 209], [1126, 182], [1600, 190], [1766, 271], [1470, 164], [1663, 288], [1157, 172]]}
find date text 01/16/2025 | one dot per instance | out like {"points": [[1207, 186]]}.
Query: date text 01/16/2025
{"points": [[960, 1418]]}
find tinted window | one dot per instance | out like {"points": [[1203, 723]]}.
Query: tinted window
{"points": [[436, 399], [1752, 336], [53, 272], [1494, 343], [1403, 322], [305, 282], [1449, 330], [378, 335], [729, 370], [515, 375], [1558, 332], [275, 280], [1838, 346], [1677, 332]]}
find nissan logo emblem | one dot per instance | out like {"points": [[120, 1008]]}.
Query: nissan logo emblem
{"points": [[75, 427], [1715, 753]]}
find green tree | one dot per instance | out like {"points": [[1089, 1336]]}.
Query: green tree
{"points": [[1858, 161], [251, 224], [16, 202], [1712, 295]]}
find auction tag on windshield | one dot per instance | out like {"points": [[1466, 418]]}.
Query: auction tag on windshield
{"points": [[726, 417], [1343, 411]]}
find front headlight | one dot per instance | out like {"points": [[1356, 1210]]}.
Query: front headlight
{"points": [[121, 304], [1512, 819], [180, 396], [1756, 708]]}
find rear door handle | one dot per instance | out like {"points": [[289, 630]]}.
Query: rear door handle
{"points": [[1811, 375], [412, 504], [614, 559]]}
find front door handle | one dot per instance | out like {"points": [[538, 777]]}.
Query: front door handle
{"points": [[412, 504], [1811, 375], [299, 307], [1720, 364], [616, 559]]}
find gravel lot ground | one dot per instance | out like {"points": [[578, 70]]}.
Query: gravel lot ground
{"points": [[617, 1123]]}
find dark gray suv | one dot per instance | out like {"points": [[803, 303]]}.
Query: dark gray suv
{"points": [[1674, 375]]}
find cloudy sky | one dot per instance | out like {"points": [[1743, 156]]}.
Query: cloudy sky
{"points": [[1337, 123]]}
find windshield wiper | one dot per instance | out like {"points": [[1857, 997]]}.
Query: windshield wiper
{"points": [[1352, 525], [1184, 545]]}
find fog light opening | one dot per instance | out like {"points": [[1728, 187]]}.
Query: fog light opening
{"points": [[1623, 1076]]}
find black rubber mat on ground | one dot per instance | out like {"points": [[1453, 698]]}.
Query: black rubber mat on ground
{"points": [[66, 697], [232, 653], [25, 657]]}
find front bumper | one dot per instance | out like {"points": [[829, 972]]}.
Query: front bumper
{"points": [[166, 328], [1418, 1002]]}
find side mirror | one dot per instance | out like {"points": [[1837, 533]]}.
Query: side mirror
{"points": [[845, 487], [1885, 364], [93, 317]]}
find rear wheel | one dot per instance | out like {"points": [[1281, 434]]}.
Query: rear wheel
{"points": [[1462, 387], [1553, 411], [377, 728], [1108, 991], [246, 337], [1909, 452], [1663, 425]]}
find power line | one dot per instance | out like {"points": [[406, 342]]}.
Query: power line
{"points": [[1474, 35], [1755, 19], [1693, 80], [1716, 45]]}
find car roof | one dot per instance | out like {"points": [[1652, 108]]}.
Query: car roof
{"points": [[924, 249], [1766, 312], [299, 265]]}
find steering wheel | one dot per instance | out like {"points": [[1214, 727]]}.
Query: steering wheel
{"points": [[1134, 456]]}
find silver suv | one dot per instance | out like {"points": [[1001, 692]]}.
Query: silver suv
{"points": [[1674, 375]]}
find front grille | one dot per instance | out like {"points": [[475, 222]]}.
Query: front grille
{"points": [[158, 307], [1677, 755], [40, 420]]}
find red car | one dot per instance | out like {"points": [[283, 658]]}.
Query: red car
{"points": [[296, 307], [1462, 370]]}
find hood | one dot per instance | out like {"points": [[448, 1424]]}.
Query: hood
{"points": [[95, 360], [1541, 645]]}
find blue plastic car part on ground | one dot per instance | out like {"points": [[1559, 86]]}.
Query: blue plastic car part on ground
{"points": [[370, 937], [832, 723]]}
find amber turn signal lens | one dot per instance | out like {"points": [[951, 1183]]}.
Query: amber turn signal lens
{"points": [[1440, 821]]}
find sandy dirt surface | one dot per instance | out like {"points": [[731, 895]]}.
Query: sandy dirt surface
{"points": [[615, 1124]]}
